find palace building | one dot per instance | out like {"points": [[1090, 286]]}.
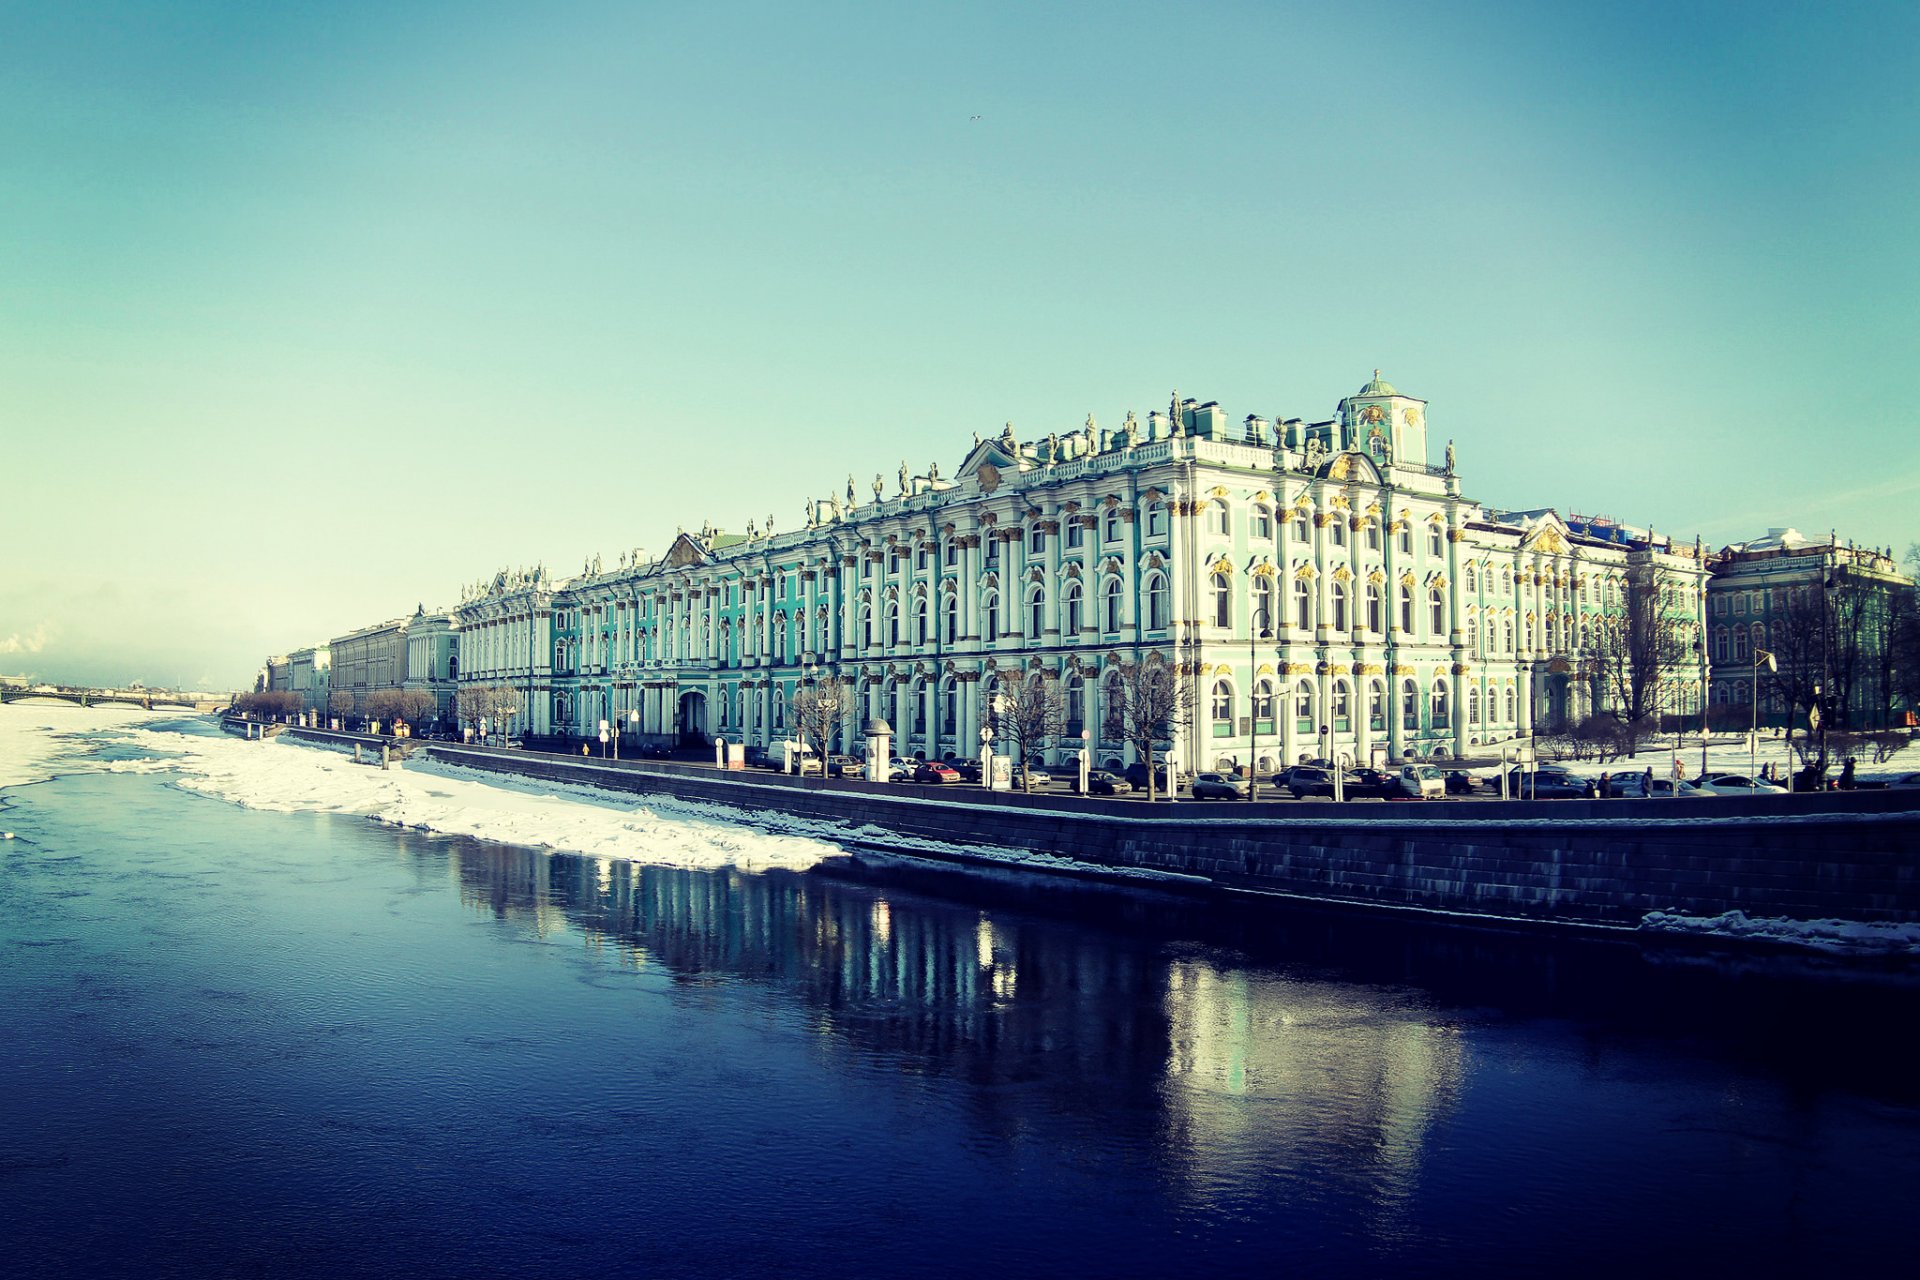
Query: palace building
{"points": [[1323, 588]]}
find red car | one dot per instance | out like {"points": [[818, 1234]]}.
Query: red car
{"points": [[934, 771]]}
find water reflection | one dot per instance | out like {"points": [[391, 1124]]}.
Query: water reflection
{"points": [[1233, 1075]]}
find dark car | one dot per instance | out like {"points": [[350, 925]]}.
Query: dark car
{"points": [[1219, 786], [1548, 784], [1372, 784], [1137, 777], [969, 770], [1305, 780], [1102, 783], [845, 767], [1461, 783], [934, 771]]}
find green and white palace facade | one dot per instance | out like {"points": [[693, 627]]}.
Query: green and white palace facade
{"points": [[1324, 588]]}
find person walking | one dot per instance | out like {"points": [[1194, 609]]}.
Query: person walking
{"points": [[1646, 783], [1606, 785], [1846, 775]]}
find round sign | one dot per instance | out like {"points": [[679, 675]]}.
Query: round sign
{"points": [[986, 735]]}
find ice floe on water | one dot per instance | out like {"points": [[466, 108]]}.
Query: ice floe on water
{"points": [[282, 776], [1840, 937]]}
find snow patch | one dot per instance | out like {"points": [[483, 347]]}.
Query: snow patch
{"points": [[1840, 937]]}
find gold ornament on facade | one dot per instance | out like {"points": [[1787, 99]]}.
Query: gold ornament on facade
{"points": [[1456, 535], [1461, 669], [1373, 669], [1299, 669], [1342, 574]]}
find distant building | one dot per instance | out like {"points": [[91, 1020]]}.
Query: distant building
{"points": [[279, 674], [433, 658], [310, 674], [1825, 611], [369, 659]]}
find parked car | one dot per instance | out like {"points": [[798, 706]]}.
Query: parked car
{"points": [[901, 769], [1218, 786], [1548, 784], [934, 771], [1736, 784], [1102, 783], [969, 770], [1035, 776], [1137, 776], [1305, 780], [1906, 780], [1422, 782], [845, 766], [1664, 788], [1461, 783], [1375, 784]]}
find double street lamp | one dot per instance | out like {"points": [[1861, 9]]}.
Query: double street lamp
{"points": [[1259, 628]]}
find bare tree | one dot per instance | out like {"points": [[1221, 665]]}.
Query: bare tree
{"points": [[275, 703], [1153, 700], [341, 703], [1030, 710], [818, 709], [494, 703], [1633, 654]]}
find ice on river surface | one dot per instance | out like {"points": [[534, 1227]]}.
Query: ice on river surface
{"points": [[40, 741]]}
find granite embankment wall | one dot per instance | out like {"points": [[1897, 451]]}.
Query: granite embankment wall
{"points": [[1596, 863]]}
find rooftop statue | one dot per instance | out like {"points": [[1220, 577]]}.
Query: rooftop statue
{"points": [[1132, 429], [904, 488], [1449, 457]]}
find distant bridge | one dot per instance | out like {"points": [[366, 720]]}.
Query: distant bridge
{"points": [[149, 699]]}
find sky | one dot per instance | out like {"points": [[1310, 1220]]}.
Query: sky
{"points": [[311, 314]]}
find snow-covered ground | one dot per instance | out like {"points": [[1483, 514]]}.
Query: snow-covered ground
{"points": [[38, 742], [1728, 754]]}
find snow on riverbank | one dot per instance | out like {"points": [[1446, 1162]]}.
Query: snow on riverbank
{"points": [[1839, 937], [281, 776]]}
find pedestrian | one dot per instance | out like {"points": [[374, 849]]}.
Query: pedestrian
{"points": [[1846, 775], [1606, 786], [1646, 783]]}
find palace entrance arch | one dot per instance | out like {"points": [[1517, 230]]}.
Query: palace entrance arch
{"points": [[692, 720]]}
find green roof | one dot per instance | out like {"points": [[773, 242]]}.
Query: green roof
{"points": [[1378, 387]]}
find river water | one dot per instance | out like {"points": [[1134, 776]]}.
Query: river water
{"points": [[268, 1041]]}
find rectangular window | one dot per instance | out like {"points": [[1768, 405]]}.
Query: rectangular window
{"points": [[1076, 533]]}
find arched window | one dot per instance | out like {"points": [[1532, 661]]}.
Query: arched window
{"points": [[779, 707], [1110, 608], [866, 626], [1376, 706], [1263, 705], [1471, 580], [1260, 523], [1110, 526], [1373, 608], [893, 625], [920, 621], [1406, 609], [1409, 705], [1342, 707], [990, 616], [1473, 635], [1337, 530], [1220, 518], [950, 618], [1222, 704], [1434, 536], [1036, 538], [1036, 612], [1263, 618], [1222, 601], [1437, 612], [1373, 534], [1076, 706], [1506, 635], [1510, 705], [918, 695], [1439, 708], [1156, 520], [1339, 606], [1157, 602], [1113, 721], [1302, 605], [1303, 707], [949, 709], [1070, 605], [1473, 705], [1299, 525]]}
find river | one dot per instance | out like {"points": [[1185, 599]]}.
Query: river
{"points": [[244, 1036]]}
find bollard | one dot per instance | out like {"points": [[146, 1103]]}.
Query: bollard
{"points": [[386, 756], [356, 753]]}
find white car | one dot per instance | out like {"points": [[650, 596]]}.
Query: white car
{"points": [[1736, 784], [1666, 790]]}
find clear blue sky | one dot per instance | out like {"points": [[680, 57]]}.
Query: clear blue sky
{"points": [[277, 282]]}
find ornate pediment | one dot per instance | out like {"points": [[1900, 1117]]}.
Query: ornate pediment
{"points": [[685, 553]]}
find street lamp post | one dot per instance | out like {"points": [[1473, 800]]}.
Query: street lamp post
{"points": [[1760, 657], [1264, 622]]}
